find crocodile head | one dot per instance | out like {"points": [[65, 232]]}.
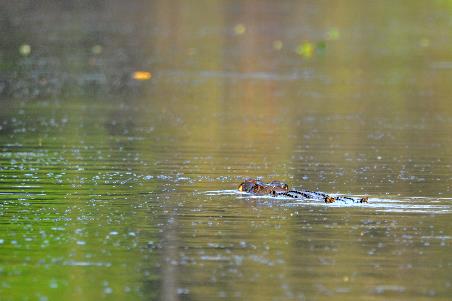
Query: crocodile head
{"points": [[259, 187], [248, 185]]}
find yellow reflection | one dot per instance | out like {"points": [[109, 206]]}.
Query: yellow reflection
{"points": [[25, 49], [239, 29], [142, 75], [306, 49]]}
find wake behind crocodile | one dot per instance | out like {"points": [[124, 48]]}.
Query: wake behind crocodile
{"points": [[388, 203]]}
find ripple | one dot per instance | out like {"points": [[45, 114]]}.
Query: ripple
{"points": [[87, 263]]}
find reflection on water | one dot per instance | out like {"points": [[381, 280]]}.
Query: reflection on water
{"points": [[126, 128]]}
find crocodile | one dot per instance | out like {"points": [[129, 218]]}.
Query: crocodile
{"points": [[278, 188]]}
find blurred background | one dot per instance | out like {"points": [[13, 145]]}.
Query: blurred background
{"points": [[306, 82], [116, 118]]}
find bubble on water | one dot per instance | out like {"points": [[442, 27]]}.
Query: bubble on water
{"points": [[81, 242], [2, 241], [114, 233], [108, 290]]}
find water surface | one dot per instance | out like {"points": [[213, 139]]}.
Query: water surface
{"points": [[116, 187]]}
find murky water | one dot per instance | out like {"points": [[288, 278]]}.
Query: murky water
{"points": [[126, 128]]}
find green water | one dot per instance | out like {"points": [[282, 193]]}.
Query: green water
{"points": [[113, 188]]}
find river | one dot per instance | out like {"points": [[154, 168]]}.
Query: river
{"points": [[126, 128]]}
